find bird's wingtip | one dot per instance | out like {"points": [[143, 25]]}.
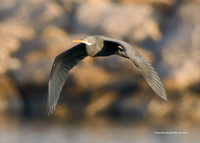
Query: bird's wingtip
{"points": [[165, 98], [49, 111]]}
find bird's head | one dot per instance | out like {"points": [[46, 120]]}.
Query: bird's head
{"points": [[88, 40]]}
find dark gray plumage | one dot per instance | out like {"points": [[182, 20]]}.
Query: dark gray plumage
{"points": [[95, 46]]}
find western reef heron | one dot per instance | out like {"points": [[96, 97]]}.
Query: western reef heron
{"points": [[96, 46]]}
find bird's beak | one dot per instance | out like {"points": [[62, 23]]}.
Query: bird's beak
{"points": [[82, 41]]}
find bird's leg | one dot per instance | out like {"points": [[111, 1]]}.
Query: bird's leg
{"points": [[121, 52]]}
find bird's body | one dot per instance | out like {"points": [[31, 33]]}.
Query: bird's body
{"points": [[95, 46]]}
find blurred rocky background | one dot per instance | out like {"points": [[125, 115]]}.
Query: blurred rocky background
{"points": [[111, 89]]}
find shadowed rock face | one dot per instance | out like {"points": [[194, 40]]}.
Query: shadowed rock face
{"points": [[33, 32], [181, 47]]}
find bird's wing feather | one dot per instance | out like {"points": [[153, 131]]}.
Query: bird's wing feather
{"points": [[144, 66], [61, 66]]}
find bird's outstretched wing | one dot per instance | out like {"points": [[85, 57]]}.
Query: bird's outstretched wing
{"points": [[61, 66], [143, 65]]}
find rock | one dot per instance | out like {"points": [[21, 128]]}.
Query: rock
{"points": [[10, 101], [11, 34], [18, 30], [102, 101], [166, 2], [33, 33], [181, 48], [160, 110], [130, 22], [94, 77], [189, 108]]}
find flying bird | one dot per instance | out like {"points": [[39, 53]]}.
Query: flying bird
{"points": [[97, 46]]}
